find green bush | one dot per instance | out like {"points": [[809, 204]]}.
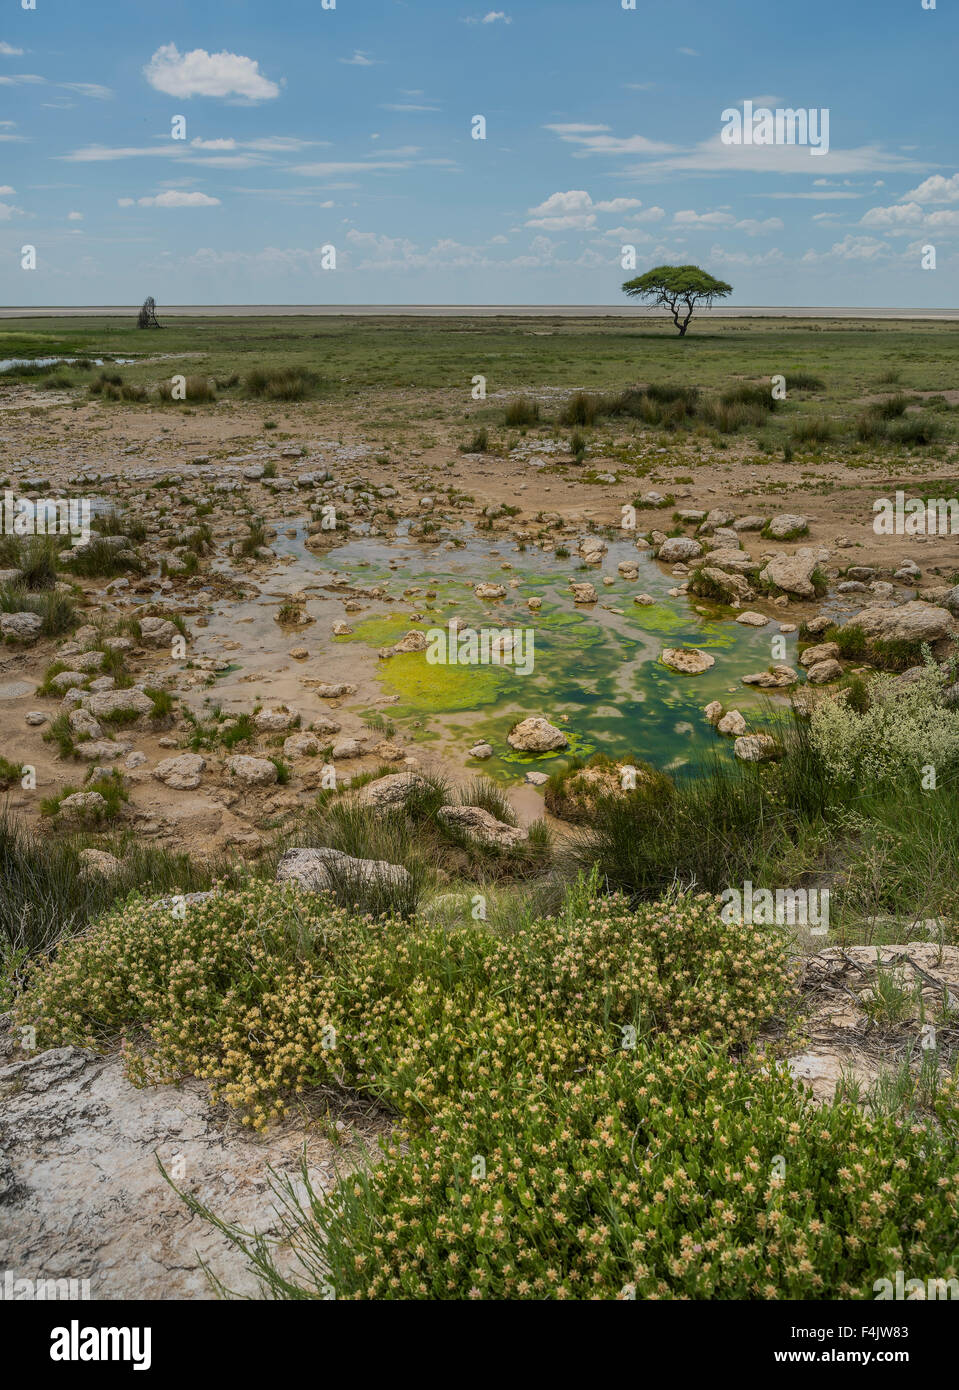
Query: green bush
{"points": [[574, 1124], [57, 611], [281, 384], [48, 896], [239, 992], [522, 412], [35, 556], [667, 1173], [581, 409], [904, 729]]}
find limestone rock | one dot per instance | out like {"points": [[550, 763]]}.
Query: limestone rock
{"points": [[911, 622], [756, 748], [21, 627], [793, 573], [776, 679], [786, 524], [678, 549], [688, 661], [319, 869], [826, 651], [181, 774], [157, 632], [822, 671], [391, 790], [478, 824], [536, 735], [252, 772], [732, 723], [583, 593]]}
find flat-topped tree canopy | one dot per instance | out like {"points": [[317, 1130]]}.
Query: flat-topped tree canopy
{"points": [[675, 287]]}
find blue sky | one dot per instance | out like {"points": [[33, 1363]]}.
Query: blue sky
{"points": [[351, 127]]}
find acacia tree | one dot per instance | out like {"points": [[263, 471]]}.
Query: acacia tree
{"points": [[675, 286]]}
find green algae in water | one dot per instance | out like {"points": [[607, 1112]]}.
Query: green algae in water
{"points": [[425, 688], [599, 665]]}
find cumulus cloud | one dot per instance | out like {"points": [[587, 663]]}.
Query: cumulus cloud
{"points": [[359, 60], [903, 218], [202, 74], [688, 218], [936, 190], [575, 210], [7, 210], [754, 259], [851, 248], [8, 51], [175, 198], [902, 215]]}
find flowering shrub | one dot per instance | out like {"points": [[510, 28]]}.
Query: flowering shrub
{"points": [[667, 1173], [904, 728], [245, 989], [573, 1123]]}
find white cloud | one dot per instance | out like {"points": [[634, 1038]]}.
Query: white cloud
{"points": [[574, 128], [944, 218], [8, 51], [87, 89], [754, 259], [688, 218], [851, 248], [821, 197], [176, 198], [202, 74], [903, 215], [7, 210], [712, 156], [32, 79], [74, 216], [593, 140], [281, 144], [619, 204], [359, 60], [5, 190], [751, 227], [93, 154], [574, 210], [936, 190], [213, 144]]}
